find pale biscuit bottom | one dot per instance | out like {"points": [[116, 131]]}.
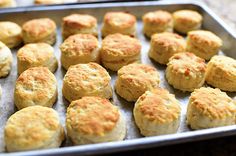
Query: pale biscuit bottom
{"points": [[198, 121], [150, 29], [68, 61], [150, 128], [116, 65], [68, 31], [107, 30], [50, 39], [182, 82]]}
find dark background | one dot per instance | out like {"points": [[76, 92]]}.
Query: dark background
{"points": [[225, 146]]}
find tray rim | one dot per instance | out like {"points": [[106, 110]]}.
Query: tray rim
{"points": [[138, 143]]}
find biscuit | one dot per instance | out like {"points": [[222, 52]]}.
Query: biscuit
{"points": [[221, 73], [86, 80], [187, 20], [119, 50], [134, 79], [185, 71], [36, 55], [7, 3], [157, 22], [157, 112], [79, 48], [35, 86], [10, 34], [39, 30], [203, 43], [33, 128], [79, 24], [119, 22], [209, 108], [94, 120], [165, 45], [46, 2], [5, 60]]}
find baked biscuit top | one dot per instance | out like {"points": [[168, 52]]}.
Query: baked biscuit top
{"points": [[119, 19], [159, 106], [92, 115], [212, 103], [80, 21], [187, 63]]}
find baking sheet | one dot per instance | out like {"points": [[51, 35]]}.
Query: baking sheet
{"points": [[133, 139]]}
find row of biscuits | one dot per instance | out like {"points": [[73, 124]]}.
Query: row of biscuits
{"points": [[94, 119], [185, 71], [44, 29]]}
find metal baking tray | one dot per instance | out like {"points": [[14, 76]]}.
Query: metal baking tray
{"points": [[133, 140]]}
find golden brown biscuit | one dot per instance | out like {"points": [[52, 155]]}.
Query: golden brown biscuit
{"points": [[209, 108], [33, 128], [119, 50], [35, 86], [7, 3], [10, 34], [157, 22], [186, 71], [165, 45], [86, 80], [36, 55], [134, 79], [39, 30], [157, 112], [187, 20], [94, 120], [79, 48], [46, 2], [203, 43], [221, 73], [79, 24], [5, 60], [119, 22]]}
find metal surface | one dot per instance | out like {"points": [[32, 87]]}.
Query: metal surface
{"points": [[133, 140]]}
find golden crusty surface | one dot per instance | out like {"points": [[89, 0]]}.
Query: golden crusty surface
{"points": [[205, 38], [10, 33], [187, 63], [34, 127], [212, 103], [139, 74], [159, 17], [186, 16], [168, 40], [92, 116], [35, 86], [79, 21], [119, 19], [159, 106], [79, 44], [225, 63], [221, 73], [118, 45], [35, 53], [38, 28], [86, 80]]}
